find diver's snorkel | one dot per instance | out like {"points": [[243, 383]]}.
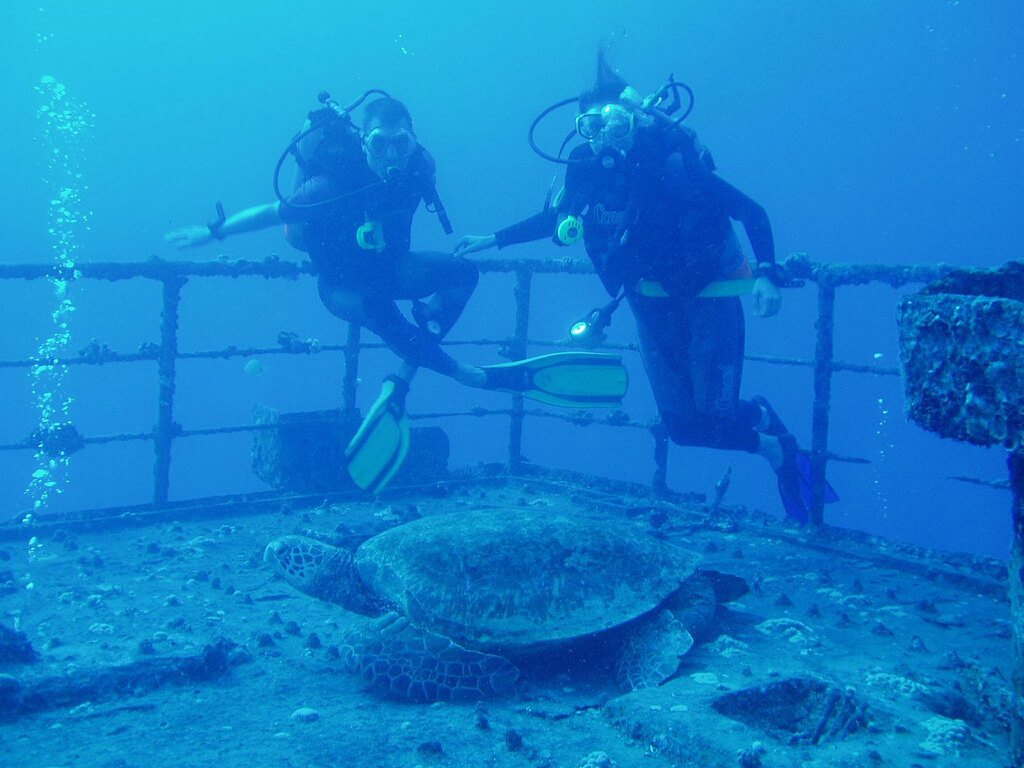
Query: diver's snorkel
{"points": [[589, 331]]}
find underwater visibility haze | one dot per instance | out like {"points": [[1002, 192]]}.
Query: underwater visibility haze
{"points": [[871, 132]]}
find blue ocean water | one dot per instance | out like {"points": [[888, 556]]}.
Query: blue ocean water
{"points": [[870, 131]]}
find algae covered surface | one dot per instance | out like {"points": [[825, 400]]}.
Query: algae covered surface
{"points": [[169, 642]]}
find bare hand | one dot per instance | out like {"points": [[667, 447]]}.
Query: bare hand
{"points": [[767, 297], [189, 237], [473, 243]]}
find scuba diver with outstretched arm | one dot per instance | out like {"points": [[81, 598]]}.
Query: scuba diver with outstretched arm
{"points": [[351, 210], [247, 220], [656, 220]]}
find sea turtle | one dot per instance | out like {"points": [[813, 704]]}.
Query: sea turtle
{"points": [[460, 596]]}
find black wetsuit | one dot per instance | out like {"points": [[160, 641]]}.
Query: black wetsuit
{"points": [[662, 216], [361, 285]]}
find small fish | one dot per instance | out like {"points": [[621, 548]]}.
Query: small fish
{"points": [[254, 367]]}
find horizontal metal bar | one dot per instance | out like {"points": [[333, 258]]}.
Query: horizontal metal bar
{"points": [[796, 266]]}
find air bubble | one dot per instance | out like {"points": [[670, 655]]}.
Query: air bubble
{"points": [[64, 125]]}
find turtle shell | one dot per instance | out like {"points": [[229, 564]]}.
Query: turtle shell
{"points": [[510, 579]]}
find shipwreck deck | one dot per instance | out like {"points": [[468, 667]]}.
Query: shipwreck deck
{"points": [[162, 639]]}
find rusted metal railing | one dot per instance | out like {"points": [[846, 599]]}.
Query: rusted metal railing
{"points": [[174, 275]]}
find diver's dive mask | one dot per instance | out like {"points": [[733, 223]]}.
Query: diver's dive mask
{"points": [[611, 122], [388, 151], [382, 144]]}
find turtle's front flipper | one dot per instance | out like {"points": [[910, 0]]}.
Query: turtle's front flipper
{"points": [[404, 660], [650, 655]]}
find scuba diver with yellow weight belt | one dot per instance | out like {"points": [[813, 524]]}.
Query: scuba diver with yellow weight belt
{"points": [[351, 209], [643, 196]]}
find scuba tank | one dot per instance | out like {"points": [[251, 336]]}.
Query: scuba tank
{"points": [[328, 131], [329, 140]]}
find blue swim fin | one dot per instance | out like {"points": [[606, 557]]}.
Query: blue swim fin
{"points": [[796, 475], [795, 508], [803, 465], [796, 492]]}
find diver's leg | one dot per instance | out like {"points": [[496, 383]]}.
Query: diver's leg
{"points": [[693, 356], [448, 280], [755, 423], [380, 315], [716, 351], [663, 337]]}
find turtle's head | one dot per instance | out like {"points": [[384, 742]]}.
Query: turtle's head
{"points": [[297, 560], [322, 571]]}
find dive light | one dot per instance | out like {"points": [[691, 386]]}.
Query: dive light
{"points": [[589, 330]]}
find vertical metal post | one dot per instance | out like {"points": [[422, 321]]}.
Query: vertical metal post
{"points": [[165, 427], [348, 384], [823, 353], [517, 351], [1016, 464], [660, 479]]}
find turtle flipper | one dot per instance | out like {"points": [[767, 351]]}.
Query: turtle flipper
{"points": [[413, 663], [695, 603], [651, 652]]}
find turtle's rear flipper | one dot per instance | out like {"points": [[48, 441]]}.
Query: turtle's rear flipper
{"points": [[651, 652], [413, 663], [694, 604]]}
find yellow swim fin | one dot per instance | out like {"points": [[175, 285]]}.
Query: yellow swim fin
{"points": [[380, 445], [568, 379]]}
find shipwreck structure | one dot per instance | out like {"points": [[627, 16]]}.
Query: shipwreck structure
{"points": [[962, 361], [962, 347], [165, 353]]}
